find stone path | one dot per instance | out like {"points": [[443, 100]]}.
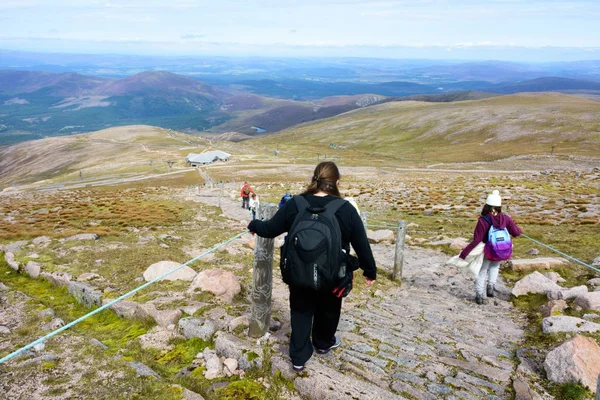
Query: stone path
{"points": [[424, 340]]}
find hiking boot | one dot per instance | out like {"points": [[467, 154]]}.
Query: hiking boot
{"points": [[298, 368], [337, 343], [490, 291], [479, 298]]}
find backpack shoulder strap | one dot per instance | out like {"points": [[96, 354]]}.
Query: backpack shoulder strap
{"points": [[335, 205], [301, 203], [487, 219]]}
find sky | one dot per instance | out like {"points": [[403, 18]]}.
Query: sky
{"points": [[516, 30]]}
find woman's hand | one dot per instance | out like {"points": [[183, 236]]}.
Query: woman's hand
{"points": [[369, 282]]}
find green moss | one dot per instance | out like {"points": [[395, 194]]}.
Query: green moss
{"points": [[251, 356], [571, 391], [105, 326], [247, 389], [47, 365]]}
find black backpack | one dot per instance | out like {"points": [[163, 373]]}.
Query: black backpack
{"points": [[312, 255]]}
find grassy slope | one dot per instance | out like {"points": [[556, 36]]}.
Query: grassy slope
{"points": [[108, 152], [453, 132]]}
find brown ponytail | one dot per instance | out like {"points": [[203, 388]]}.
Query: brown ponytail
{"points": [[324, 179]]}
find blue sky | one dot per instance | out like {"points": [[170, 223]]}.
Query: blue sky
{"points": [[516, 30]]}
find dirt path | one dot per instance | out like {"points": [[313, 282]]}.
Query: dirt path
{"points": [[426, 339]]}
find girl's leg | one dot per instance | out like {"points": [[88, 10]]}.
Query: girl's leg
{"points": [[494, 268], [483, 272]]}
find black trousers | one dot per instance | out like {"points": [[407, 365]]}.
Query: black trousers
{"points": [[245, 202], [314, 311]]}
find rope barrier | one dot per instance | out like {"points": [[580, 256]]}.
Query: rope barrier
{"points": [[525, 236], [561, 253], [118, 299]]}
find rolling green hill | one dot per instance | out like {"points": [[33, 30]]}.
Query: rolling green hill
{"points": [[477, 130]]}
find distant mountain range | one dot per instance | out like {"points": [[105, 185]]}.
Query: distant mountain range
{"points": [[36, 104], [39, 104]]}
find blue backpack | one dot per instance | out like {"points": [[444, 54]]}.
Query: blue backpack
{"points": [[499, 244]]}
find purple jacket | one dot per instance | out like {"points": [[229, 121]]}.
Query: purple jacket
{"points": [[500, 221]]}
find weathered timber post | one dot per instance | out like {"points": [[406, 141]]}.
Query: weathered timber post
{"points": [[262, 277], [363, 216], [399, 256], [220, 191]]}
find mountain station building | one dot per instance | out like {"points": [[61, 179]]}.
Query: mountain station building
{"points": [[208, 157]]}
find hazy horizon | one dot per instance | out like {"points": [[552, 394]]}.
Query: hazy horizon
{"points": [[503, 30]]}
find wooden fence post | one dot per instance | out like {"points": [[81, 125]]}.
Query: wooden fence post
{"points": [[220, 191], [399, 256], [262, 277]]}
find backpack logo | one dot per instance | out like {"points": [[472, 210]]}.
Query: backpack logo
{"points": [[499, 244], [312, 255]]}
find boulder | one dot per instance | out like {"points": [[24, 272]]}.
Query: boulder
{"points": [[214, 366], [162, 267], [197, 327], [534, 283], [589, 301], [231, 365], [459, 244], [83, 236], [565, 294], [124, 308], [163, 318], [57, 278], [576, 360], [596, 262], [246, 354], [33, 269], [41, 239], [158, 338], [552, 307], [563, 323], [88, 276], [522, 389], [15, 246], [534, 264], [85, 294], [223, 284], [594, 282], [554, 277], [242, 320], [143, 370], [381, 236], [10, 260], [55, 323]]}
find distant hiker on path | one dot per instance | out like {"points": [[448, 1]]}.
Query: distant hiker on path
{"points": [[314, 260], [253, 205], [245, 193], [286, 197], [494, 229]]}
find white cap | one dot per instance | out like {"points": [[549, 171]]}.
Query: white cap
{"points": [[494, 199]]}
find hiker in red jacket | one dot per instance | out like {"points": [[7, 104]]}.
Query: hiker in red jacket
{"points": [[245, 193]]}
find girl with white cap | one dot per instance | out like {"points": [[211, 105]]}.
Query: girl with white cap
{"points": [[491, 215]]}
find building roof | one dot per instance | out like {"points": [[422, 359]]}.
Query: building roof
{"points": [[207, 157]]}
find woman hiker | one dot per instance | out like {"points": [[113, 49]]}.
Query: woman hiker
{"points": [[491, 216], [318, 311]]}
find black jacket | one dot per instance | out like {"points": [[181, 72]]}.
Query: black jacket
{"points": [[353, 230]]}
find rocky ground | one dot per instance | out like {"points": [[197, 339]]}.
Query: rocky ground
{"points": [[423, 339]]}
